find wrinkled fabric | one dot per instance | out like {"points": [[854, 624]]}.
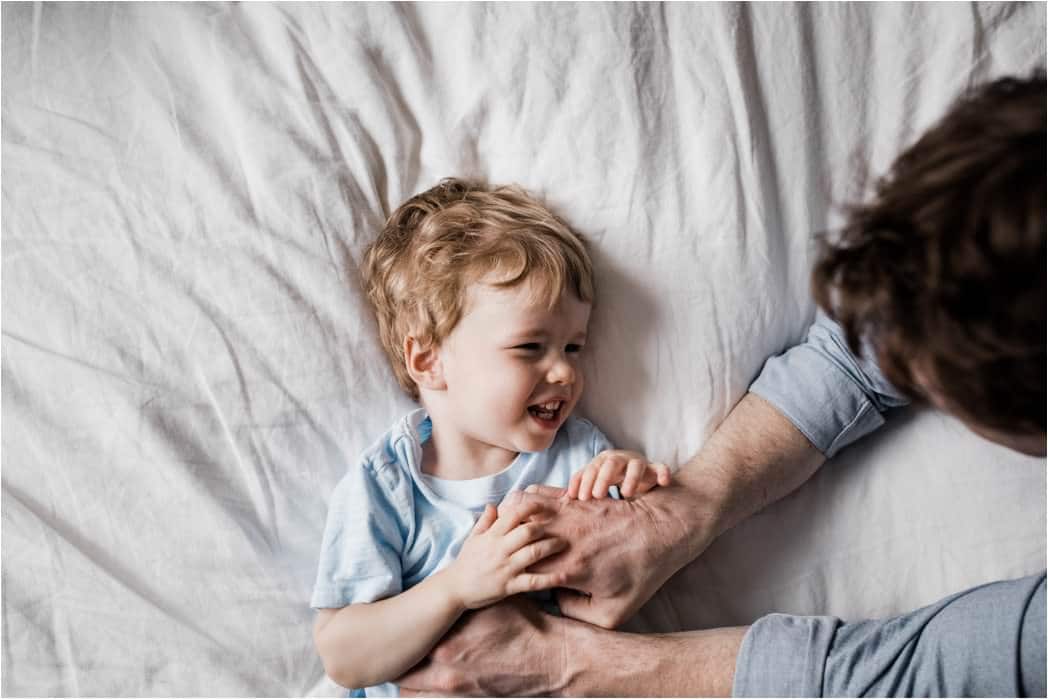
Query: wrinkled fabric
{"points": [[189, 364]]}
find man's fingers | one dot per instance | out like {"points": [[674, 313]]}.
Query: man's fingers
{"points": [[582, 607], [573, 604], [421, 680], [412, 693]]}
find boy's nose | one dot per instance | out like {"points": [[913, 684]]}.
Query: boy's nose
{"points": [[561, 372]]}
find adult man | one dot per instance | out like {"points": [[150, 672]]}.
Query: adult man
{"points": [[941, 279]]}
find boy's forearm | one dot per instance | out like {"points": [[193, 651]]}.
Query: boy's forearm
{"points": [[755, 457], [367, 644]]}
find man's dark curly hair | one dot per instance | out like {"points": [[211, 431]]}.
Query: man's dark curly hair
{"points": [[943, 273]]}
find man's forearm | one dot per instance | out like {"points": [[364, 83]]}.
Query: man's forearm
{"points": [[610, 663], [755, 457]]}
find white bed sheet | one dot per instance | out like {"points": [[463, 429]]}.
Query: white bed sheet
{"points": [[189, 366]]}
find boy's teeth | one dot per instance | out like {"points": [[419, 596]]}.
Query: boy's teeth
{"points": [[546, 411]]}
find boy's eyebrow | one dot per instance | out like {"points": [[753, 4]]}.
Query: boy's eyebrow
{"points": [[539, 333], [528, 335]]}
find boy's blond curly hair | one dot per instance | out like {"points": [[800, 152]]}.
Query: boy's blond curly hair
{"points": [[439, 242]]}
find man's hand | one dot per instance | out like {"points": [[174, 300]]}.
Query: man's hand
{"points": [[513, 649], [620, 552], [509, 649]]}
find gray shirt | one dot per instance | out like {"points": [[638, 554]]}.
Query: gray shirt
{"points": [[987, 641]]}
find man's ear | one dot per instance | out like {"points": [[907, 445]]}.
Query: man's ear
{"points": [[423, 364]]}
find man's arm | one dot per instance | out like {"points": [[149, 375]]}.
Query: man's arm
{"points": [[807, 403], [754, 458], [987, 641], [542, 655]]}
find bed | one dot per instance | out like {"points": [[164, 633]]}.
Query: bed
{"points": [[189, 365]]}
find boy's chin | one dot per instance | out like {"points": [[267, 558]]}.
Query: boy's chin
{"points": [[534, 443]]}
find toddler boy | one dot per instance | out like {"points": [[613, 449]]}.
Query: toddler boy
{"points": [[483, 300]]}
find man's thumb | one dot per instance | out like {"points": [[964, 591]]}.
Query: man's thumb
{"points": [[574, 604]]}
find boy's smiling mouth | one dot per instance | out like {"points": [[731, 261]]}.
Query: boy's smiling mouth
{"points": [[546, 412]]}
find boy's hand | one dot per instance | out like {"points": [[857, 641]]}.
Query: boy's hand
{"points": [[493, 562], [632, 472]]}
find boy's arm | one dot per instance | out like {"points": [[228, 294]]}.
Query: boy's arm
{"points": [[366, 644], [491, 566]]}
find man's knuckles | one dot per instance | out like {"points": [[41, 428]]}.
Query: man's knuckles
{"points": [[444, 654]]}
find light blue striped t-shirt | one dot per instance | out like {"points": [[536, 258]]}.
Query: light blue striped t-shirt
{"points": [[390, 526]]}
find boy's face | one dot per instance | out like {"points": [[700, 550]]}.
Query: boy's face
{"points": [[511, 366]]}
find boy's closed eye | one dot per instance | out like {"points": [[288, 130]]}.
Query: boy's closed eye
{"points": [[537, 347]]}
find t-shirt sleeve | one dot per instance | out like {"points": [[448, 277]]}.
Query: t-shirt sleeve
{"points": [[986, 641], [361, 550], [829, 394], [599, 442]]}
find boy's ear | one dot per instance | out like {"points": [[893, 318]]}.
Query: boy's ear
{"points": [[423, 364]]}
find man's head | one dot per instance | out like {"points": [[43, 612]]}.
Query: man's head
{"points": [[439, 243], [943, 273]]}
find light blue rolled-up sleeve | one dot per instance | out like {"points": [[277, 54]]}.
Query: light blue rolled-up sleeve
{"points": [[986, 641], [829, 394]]}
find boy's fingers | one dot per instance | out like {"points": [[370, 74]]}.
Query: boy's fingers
{"points": [[662, 472], [486, 519], [573, 484], [535, 552], [523, 535], [509, 516], [546, 491], [529, 582], [633, 473], [609, 473], [586, 485]]}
